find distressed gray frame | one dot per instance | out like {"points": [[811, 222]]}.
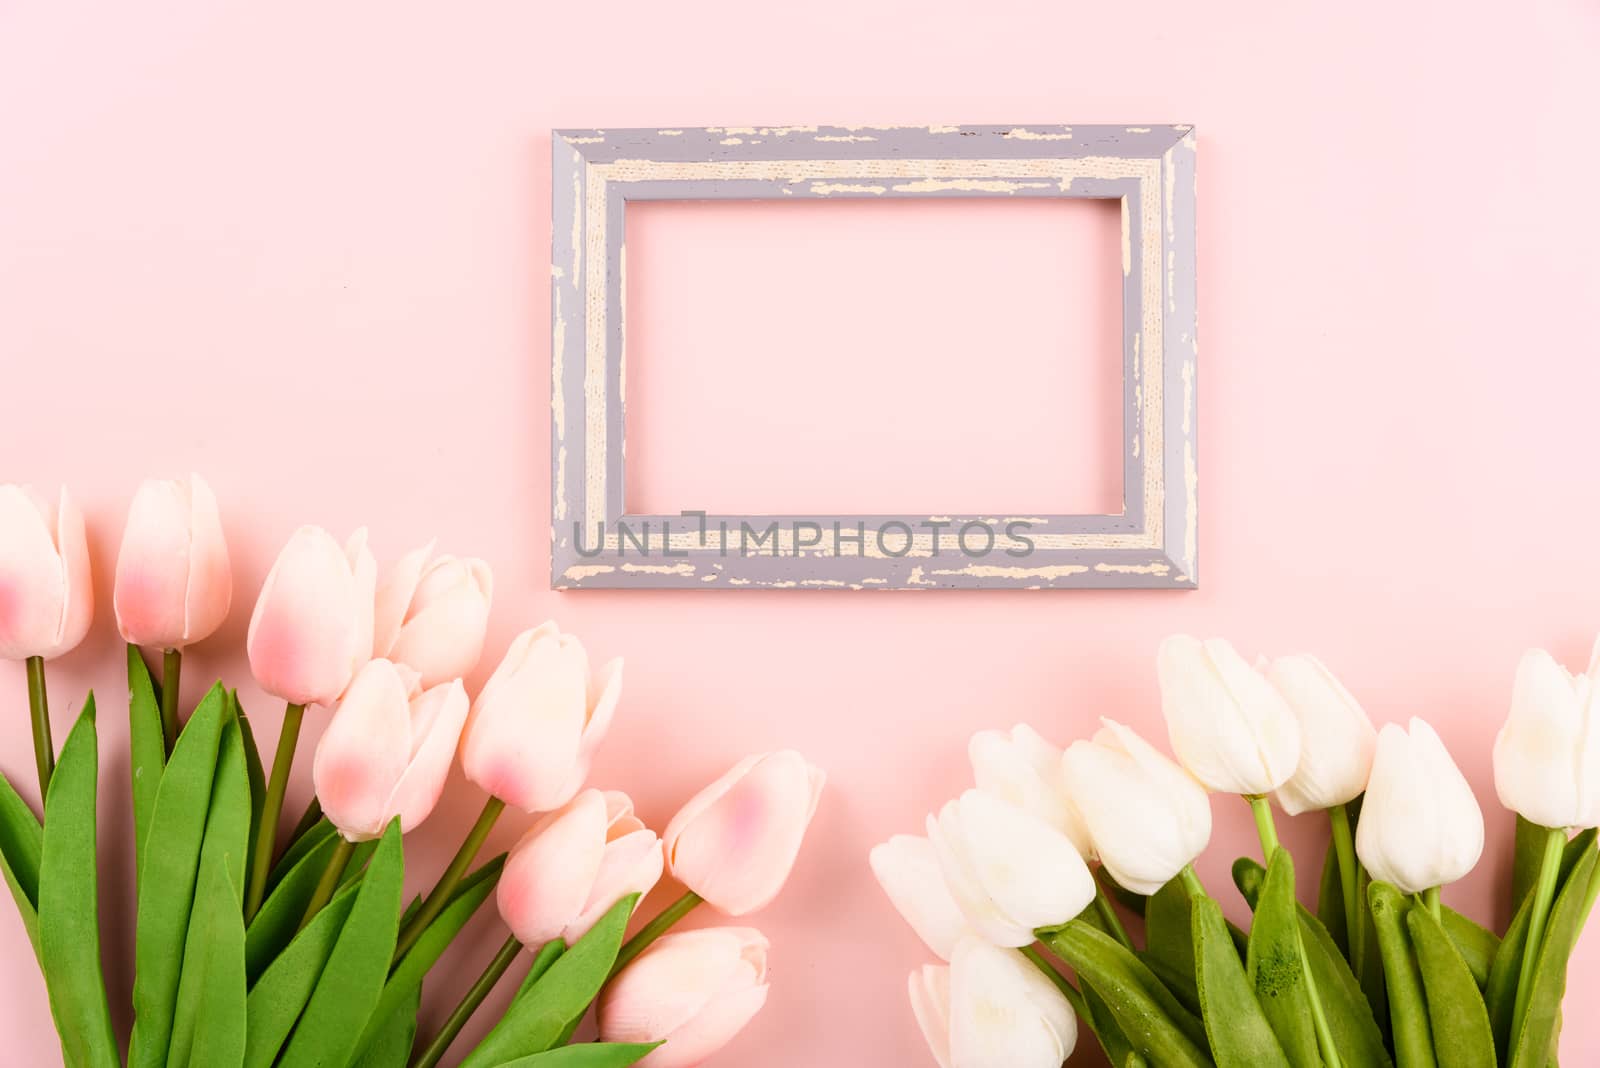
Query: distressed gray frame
{"points": [[1151, 543]]}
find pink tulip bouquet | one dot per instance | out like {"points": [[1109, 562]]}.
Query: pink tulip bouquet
{"points": [[1031, 875], [249, 955]]}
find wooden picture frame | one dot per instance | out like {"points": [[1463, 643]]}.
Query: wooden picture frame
{"points": [[1151, 543]]}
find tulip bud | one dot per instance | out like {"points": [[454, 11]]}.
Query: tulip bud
{"points": [[735, 842], [46, 600], [1420, 825], [574, 865], [907, 867], [1337, 740], [1148, 817], [537, 722], [1001, 1011], [1025, 770], [1547, 756], [312, 625], [692, 991], [1010, 872], [929, 987], [387, 750], [431, 615], [174, 583], [1228, 726]]}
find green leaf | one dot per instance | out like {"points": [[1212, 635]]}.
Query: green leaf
{"points": [[1151, 1018], [316, 836], [586, 1055], [351, 984], [208, 1023], [1350, 1015], [1504, 973], [1408, 1005], [257, 774], [1169, 937], [1456, 1013], [1534, 1042], [391, 1044], [547, 955], [209, 1029], [21, 839], [1476, 944], [406, 979], [167, 878], [276, 1000], [1235, 1022], [1277, 975], [69, 924], [1104, 1025], [280, 914], [537, 1019], [147, 751], [1330, 901]]}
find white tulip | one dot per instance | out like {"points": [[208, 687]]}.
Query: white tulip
{"points": [[1337, 740], [929, 987], [1148, 817], [1004, 1012], [1025, 770], [1547, 756], [1228, 725], [1420, 825], [907, 868], [1010, 872]]}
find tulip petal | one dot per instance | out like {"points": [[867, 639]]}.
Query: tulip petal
{"points": [[907, 867], [1538, 754], [737, 851], [73, 545], [364, 752], [1023, 769], [444, 638], [33, 583], [393, 599], [303, 633], [549, 873], [948, 836], [1028, 868], [1337, 740], [364, 572], [437, 717], [150, 590], [677, 978], [929, 989], [710, 1030], [631, 864], [522, 740], [1004, 1013], [1227, 724], [209, 593]]}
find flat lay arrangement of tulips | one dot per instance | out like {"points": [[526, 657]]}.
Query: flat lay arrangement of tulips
{"points": [[1378, 972], [258, 947]]}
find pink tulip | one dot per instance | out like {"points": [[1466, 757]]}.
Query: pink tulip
{"points": [[312, 627], [431, 614], [387, 750], [693, 991], [536, 724], [574, 865], [735, 842], [46, 600], [173, 583]]}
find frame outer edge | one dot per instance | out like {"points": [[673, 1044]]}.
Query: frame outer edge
{"points": [[567, 343], [1181, 343]]}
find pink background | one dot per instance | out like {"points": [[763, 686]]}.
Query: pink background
{"points": [[301, 248]]}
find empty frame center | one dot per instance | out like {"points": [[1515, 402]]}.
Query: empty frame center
{"points": [[869, 356]]}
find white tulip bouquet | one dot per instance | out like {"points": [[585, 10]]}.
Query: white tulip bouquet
{"points": [[248, 955], [1380, 973]]}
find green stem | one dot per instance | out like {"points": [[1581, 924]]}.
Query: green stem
{"points": [[468, 1005], [1266, 828], [1068, 991], [655, 929], [44, 749], [1319, 1016], [330, 879], [1544, 893], [1355, 923], [439, 896], [271, 808], [1108, 914], [1191, 881], [171, 672], [1431, 902]]}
